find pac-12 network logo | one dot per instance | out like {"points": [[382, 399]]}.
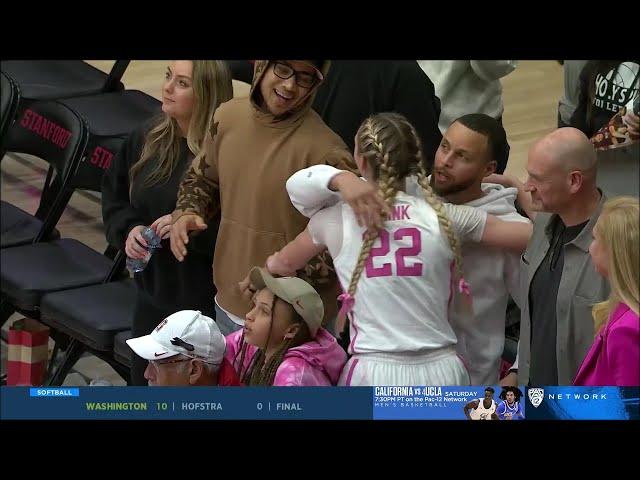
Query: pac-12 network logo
{"points": [[536, 395]]}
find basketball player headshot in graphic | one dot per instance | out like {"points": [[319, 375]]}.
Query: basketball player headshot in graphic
{"points": [[510, 408], [482, 408]]}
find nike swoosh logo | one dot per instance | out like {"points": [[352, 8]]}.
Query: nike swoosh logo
{"points": [[160, 354]]}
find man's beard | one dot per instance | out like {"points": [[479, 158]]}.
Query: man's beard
{"points": [[451, 189]]}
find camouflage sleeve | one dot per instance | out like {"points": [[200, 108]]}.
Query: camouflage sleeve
{"points": [[319, 271], [199, 192]]}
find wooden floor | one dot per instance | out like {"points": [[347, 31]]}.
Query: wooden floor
{"points": [[531, 96]]}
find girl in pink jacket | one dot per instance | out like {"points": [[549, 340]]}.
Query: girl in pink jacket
{"points": [[614, 357], [282, 342]]}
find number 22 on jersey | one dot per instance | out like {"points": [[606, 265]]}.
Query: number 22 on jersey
{"points": [[386, 269]]}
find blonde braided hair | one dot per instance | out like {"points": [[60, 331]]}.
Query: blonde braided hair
{"points": [[445, 223], [393, 149], [375, 145]]}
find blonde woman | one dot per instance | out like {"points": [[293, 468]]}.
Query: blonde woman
{"points": [[141, 187], [614, 357], [406, 273]]}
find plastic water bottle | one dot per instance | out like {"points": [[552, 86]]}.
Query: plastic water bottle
{"points": [[136, 265]]}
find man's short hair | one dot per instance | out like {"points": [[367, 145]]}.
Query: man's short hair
{"points": [[493, 130], [489, 389]]}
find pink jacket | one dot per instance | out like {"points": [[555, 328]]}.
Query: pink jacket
{"points": [[614, 357], [313, 364]]}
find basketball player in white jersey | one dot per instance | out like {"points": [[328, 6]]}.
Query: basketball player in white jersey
{"points": [[482, 408], [406, 273]]}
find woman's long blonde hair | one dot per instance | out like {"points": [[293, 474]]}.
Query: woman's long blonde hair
{"points": [[618, 228], [212, 86]]}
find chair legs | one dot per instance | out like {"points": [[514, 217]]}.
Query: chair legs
{"points": [[74, 352], [75, 349], [52, 362], [50, 189], [123, 371]]}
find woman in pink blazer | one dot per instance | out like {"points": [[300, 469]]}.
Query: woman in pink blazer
{"points": [[614, 357]]}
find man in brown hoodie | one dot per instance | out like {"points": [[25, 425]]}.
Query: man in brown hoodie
{"points": [[255, 144]]}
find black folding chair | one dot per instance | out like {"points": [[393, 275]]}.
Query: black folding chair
{"points": [[57, 79], [91, 317], [55, 133], [69, 263], [9, 100], [109, 117]]}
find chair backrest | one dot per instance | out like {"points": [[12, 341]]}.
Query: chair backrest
{"points": [[46, 79], [55, 133], [114, 80], [56, 79], [100, 154], [9, 100], [110, 118]]}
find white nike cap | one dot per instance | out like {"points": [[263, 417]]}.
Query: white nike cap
{"points": [[188, 333]]}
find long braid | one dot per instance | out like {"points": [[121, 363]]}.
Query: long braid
{"points": [[443, 219], [271, 367], [242, 352], [393, 149], [257, 362], [388, 185], [255, 367]]}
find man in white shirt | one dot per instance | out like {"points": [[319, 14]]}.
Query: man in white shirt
{"points": [[482, 408]]}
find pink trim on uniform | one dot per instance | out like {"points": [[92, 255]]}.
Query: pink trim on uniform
{"points": [[464, 364], [350, 374], [453, 262], [352, 345]]}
